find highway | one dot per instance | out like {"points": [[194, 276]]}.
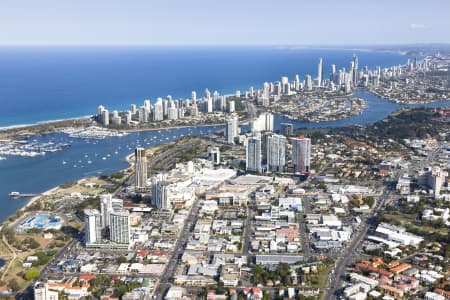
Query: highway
{"points": [[164, 156]]}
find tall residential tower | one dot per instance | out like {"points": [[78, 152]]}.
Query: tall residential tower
{"points": [[140, 169], [253, 153], [301, 154]]}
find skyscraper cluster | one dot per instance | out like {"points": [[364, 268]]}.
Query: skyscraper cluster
{"points": [[339, 81], [109, 226], [171, 109], [168, 109], [272, 150]]}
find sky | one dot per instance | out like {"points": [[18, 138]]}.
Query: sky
{"points": [[223, 22]]}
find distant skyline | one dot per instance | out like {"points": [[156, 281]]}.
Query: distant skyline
{"points": [[231, 22]]}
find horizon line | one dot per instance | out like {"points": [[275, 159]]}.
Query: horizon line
{"points": [[228, 45]]}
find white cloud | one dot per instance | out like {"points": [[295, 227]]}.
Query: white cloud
{"points": [[416, 26]]}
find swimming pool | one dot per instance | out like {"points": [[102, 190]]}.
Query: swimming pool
{"points": [[41, 221]]}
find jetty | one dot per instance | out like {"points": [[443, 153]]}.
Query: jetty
{"points": [[16, 195]]}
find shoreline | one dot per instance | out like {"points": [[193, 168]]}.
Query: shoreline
{"points": [[31, 201], [43, 123], [53, 189], [56, 125], [40, 128], [43, 127]]}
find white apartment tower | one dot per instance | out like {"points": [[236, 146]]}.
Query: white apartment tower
{"points": [[100, 110], [158, 110], [319, 72], [93, 225], [263, 123], [308, 83], [276, 152], [133, 109], [128, 117], [232, 129], [231, 106], [266, 91], [436, 180], [209, 105], [285, 85], [105, 117], [143, 114], [105, 209], [253, 154], [194, 97], [301, 154], [120, 227]]}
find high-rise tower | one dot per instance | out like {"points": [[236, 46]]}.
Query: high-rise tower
{"points": [[140, 169], [253, 153], [319, 72], [301, 154]]}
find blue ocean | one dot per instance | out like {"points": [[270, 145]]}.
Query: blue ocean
{"points": [[50, 83]]}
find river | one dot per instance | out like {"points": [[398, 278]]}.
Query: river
{"points": [[95, 157]]}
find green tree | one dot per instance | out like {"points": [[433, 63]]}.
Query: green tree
{"points": [[32, 274], [121, 260], [370, 200]]}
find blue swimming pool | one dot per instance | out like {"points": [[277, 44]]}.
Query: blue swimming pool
{"points": [[41, 221]]}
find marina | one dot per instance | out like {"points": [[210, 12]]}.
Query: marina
{"points": [[29, 148], [92, 132], [84, 157]]}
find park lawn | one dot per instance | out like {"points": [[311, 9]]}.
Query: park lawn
{"points": [[16, 268], [14, 271], [43, 243]]}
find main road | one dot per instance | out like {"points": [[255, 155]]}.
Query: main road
{"points": [[169, 271], [349, 253]]}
